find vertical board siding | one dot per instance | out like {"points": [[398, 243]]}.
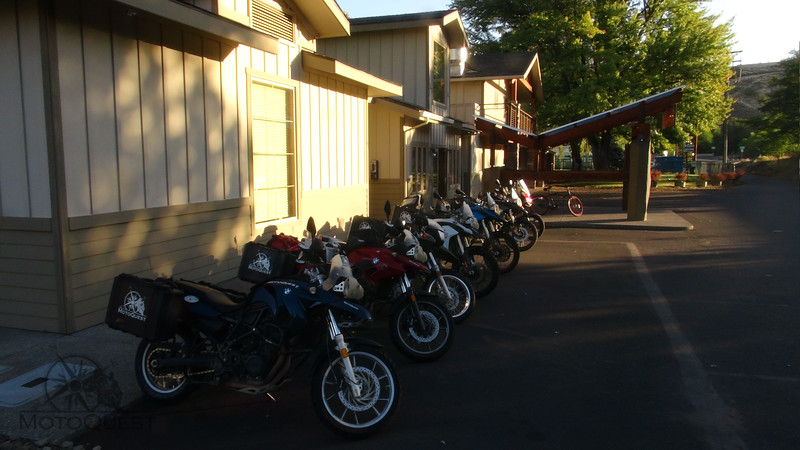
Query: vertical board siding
{"points": [[13, 170], [28, 298], [332, 133], [24, 172], [399, 56], [99, 84], [151, 113]]}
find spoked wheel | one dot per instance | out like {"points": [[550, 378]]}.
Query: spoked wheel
{"points": [[540, 205], [505, 251], [425, 337], [538, 222], [160, 383], [525, 233], [575, 206], [461, 301], [481, 270], [338, 406]]}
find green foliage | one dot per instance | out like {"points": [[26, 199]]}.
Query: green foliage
{"points": [[601, 54], [778, 128]]}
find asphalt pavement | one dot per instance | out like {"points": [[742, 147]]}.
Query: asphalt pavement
{"points": [[603, 337]]}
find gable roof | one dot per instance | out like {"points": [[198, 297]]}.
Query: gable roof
{"points": [[449, 20], [506, 66]]}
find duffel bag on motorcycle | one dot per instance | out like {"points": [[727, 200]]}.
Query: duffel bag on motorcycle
{"points": [[143, 307]]}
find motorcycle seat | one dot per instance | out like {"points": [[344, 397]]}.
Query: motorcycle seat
{"points": [[221, 300]]}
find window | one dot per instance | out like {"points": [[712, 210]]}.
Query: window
{"points": [[273, 151], [439, 68]]}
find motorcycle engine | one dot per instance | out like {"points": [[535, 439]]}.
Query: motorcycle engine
{"points": [[253, 354]]}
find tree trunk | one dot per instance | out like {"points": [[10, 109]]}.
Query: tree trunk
{"points": [[575, 152], [601, 150]]}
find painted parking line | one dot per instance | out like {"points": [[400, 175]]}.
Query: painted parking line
{"points": [[720, 422]]}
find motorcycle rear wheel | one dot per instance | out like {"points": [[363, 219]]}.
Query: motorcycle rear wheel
{"points": [[337, 406], [162, 384], [483, 272], [463, 302], [426, 339]]}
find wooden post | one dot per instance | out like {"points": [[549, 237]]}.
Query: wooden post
{"points": [[639, 173]]}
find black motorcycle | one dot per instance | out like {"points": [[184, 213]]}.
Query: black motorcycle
{"points": [[199, 333]]}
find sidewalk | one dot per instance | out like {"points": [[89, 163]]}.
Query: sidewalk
{"points": [[617, 219], [40, 405]]}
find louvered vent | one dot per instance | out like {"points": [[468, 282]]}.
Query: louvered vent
{"points": [[270, 20]]}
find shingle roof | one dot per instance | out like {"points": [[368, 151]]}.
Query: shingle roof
{"points": [[499, 65]]}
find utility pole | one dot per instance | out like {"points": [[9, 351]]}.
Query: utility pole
{"points": [[725, 123]]}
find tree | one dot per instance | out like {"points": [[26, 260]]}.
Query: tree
{"points": [[778, 128], [600, 54]]}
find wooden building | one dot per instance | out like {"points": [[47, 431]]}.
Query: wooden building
{"points": [[415, 143], [157, 137]]}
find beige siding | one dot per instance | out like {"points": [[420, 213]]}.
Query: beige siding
{"points": [[397, 56], [161, 97], [28, 293], [191, 241], [386, 143], [380, 191], [333, 121], [465, 98], [24, 174], [494, 100]]}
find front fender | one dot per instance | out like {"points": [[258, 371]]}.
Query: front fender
{"points": [[352, 343]]}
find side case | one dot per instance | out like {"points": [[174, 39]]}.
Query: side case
{"points": [[145, 308], [260, 263]]}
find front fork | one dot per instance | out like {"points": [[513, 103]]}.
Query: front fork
{"points": [[405, 287], [341, 346], [439, 277]]}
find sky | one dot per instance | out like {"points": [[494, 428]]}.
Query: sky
{"points": [[766, 30]]}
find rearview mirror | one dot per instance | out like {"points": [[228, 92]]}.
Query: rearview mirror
{"points": [[311, 227]]}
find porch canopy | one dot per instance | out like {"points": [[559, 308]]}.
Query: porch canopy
{"points": [[632, 113]]}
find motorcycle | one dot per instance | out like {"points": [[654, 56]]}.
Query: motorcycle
{"points": [[526, 226], [522, 196], [475, 263], [496, 232], [198, 333], [422, 239], [420, 324]]}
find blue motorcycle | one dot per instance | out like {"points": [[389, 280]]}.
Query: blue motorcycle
{"points": [[200, 333], [496, 233]]}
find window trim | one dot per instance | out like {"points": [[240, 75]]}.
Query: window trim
{"points": [[293, 89]]}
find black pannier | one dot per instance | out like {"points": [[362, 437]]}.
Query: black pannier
{"points": [[366, 232], [260, 263], [143, 307]]}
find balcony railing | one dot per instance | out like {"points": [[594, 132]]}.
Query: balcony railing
{"points": [[508, 113]]}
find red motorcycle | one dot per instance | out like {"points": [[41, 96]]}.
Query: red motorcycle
{"points": [[419, 323]]}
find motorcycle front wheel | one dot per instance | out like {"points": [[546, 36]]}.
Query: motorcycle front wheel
{"points": [[424, 337], [525, 233], [157, 383], [505, 251], [336, 404], [461, 302]]}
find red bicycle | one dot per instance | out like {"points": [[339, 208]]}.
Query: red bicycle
{"points": [[541, 204]]}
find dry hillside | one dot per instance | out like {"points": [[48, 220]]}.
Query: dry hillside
{"points": [[750, 87]]}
